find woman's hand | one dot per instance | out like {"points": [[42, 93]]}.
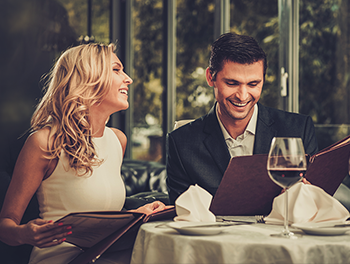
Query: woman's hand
{"points": [[151, 208], [42, 233]]}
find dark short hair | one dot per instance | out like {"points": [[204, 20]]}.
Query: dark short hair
{"points": [[237, 48]]}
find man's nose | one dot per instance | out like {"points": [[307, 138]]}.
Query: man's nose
{"points": [[242, 93]]}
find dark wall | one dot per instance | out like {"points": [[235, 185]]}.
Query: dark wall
{"points": [[33, 33]]}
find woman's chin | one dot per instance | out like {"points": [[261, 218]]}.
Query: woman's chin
{"points": [[123, 106]]}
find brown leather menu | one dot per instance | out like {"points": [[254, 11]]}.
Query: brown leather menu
{"points": [[246, 188], [328, 167], [98, 232], [90, 228]]}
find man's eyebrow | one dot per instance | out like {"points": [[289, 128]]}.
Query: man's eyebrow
{"points": [[257, 80], [230, 80], [233, 80]]}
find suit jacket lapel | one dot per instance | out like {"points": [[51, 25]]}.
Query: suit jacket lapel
{"points": [[264, 132], [215, 141], [216, 144]]}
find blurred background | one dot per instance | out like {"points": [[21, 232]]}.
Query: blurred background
{"points": [[165, 46]]}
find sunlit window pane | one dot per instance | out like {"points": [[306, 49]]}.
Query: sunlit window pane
{"points": [[148, 54], [195, 33], [259, 19], [324, 67]]}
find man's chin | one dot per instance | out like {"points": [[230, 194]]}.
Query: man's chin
{"points": [[237, 115]]}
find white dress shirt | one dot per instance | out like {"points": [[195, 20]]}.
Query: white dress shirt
{"points": [[243, 145]]}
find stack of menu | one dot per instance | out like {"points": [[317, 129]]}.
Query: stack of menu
{"points": [[97, 232]]}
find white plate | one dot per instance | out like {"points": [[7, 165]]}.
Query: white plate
{"points": [[193, 228], [322, 229]]}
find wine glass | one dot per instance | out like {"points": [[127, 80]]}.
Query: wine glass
{"points": [[286, 165]]}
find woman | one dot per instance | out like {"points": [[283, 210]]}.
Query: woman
{"points": [[71, 159]]}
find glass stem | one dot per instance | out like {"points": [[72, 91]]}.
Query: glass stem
{"points": [[286, 230]]}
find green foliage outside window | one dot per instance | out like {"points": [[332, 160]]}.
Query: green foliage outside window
{"points": [[36, 31]]}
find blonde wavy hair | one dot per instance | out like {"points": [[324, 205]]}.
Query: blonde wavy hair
{"points": [[80, 78]]}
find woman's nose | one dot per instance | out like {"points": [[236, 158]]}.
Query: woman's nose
{"points": [[128, 80]]}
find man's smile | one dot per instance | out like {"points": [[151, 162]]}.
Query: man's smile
{"points": [[239, 104]]}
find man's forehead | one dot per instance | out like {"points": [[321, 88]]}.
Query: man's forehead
{"points": [[231, 68], [255, 63]]}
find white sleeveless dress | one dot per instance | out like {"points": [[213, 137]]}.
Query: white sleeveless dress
{"points": [[65, 192]]}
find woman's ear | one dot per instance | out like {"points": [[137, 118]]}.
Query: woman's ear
{"points": [[209, 77]]}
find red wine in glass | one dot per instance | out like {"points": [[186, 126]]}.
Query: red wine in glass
{"points": [[286, 165], [287, 177]]}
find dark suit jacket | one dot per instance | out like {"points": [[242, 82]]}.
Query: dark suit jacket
{"points": [[197, 152]]}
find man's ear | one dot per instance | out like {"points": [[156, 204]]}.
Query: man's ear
{"points": [[209, 77]]}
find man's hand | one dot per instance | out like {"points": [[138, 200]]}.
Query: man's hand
{"points": [[305, 181]]}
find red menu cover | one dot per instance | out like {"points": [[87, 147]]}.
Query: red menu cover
{"points": [[246, 188]]}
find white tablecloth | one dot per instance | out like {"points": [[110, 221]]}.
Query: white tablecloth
{"points": [[156, 243]]}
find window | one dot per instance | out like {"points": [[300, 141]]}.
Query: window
{"points": [[324, 67], [259, 19], [308, 38], [147, 19]]}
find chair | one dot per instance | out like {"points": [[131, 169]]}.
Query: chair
{"points": [[182, 122]]}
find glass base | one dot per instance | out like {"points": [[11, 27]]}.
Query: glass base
{"points": [[287, 234]]}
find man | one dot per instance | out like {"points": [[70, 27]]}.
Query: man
{"points": [[199, 152]]}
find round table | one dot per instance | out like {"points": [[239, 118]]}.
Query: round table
{"points": [[158, 243]]}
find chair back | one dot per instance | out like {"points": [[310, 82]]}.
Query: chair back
{"points": [[180, 123]]}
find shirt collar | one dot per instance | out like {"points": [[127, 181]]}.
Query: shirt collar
{"points": [[251, 128], [253, 120]]}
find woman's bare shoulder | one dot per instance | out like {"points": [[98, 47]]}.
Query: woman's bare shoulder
{"points": [[121, 136], [39, 139], [33, 161]]}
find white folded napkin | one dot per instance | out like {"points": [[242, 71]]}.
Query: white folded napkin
{"points": [[193, 205], [307, 204]]}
